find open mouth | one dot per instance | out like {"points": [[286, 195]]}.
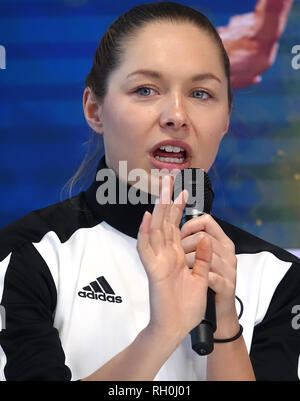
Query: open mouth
{"points": [[171, 155]]}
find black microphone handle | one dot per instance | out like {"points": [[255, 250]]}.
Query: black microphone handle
{"points": [[202, 335]]}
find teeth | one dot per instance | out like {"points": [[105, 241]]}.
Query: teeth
{"points": [[170, 159], [170, 148]]}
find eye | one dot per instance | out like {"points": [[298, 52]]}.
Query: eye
{"points": [[202, 94], [143, 91]]}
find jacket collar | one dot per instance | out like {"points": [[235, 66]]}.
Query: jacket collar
{"points": [[125, 217], [128, 217]]}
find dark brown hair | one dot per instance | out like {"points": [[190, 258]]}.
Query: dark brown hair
{"points": [[108, 57]]}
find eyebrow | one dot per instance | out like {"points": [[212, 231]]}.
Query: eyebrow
{"points": [[154, 74]]}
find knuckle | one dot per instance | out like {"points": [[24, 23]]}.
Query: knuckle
{"points": [[207, 217], [190, 259], [230, 245], [153, 231], [200, 235], [213, 279]]}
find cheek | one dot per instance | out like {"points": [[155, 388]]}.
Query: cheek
{"points": [[212, 137], [124, 121], [124, 126]]}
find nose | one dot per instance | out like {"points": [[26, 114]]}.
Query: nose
{"points": [[174, 116]]}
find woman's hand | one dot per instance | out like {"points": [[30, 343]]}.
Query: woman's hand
{"points": [[177, 293], [222, 275]]}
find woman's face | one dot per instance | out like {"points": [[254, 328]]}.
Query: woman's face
{"points": [[180, 100]]}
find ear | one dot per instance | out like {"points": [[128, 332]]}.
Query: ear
{"points": [[226, 127], [92, 111]]}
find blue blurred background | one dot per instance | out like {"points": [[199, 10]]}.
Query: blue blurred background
{"points": [[49, 50]]}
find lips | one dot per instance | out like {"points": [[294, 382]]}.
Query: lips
{"points": [[158, 157]]}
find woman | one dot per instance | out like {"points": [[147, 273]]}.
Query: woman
{"points": [[110, 291]]}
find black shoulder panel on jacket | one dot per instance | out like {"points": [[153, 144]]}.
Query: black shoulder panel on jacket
{"points": [[275, 349], [30, 343], [249, 243], [64, 218]]}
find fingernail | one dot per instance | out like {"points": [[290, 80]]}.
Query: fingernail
{"points": [[181, 198], [144, 217], [186, 195]]}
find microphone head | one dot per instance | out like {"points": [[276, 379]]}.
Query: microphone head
{"points": [[198, 184]]}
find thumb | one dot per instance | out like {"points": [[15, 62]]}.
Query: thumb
{"points": [[203, 258]]}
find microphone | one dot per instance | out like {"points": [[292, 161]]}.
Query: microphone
{"points": [[199, 202]]}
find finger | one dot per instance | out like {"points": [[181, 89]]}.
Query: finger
{"points": [[167, 186], [160, 208], [168, 227], [174, 214], [189, 245], [224, 268], [172, 218], [219, 285], [168, 232], [190, 259], [178, 207], [166, 195], [158, 230], [143, 244], [144, 226], [203, 258], [215, 282], [210, 226]]}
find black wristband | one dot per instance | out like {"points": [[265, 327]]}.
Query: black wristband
{"points": [[242, 306], [228, 340]]}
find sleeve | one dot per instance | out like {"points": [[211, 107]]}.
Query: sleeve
{"points": [[30, 347], [275, 345]]}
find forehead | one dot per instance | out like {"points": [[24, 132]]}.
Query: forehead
{"points": [[174, 46]]}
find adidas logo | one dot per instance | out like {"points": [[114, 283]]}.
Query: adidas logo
{"points": [[100, 289]]}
